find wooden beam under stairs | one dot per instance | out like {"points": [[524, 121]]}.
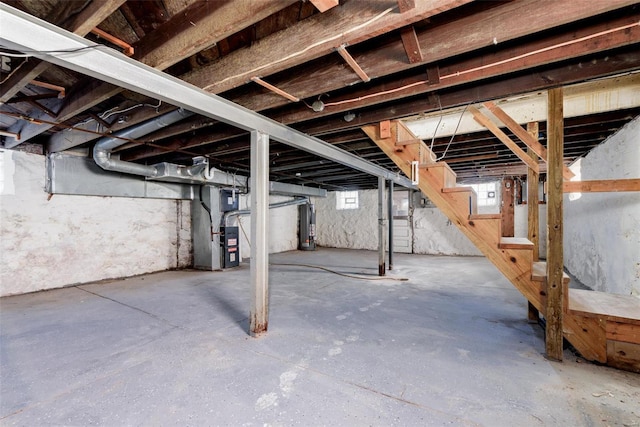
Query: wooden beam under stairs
{"points": [[601, 327]]}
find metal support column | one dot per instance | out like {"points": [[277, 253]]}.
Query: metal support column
{"points": [[205, 221], [259, 188], [390, 222], [381, 230]]}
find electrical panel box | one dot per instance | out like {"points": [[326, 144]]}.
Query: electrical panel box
{"points": [[230, 247], [228, 200]]}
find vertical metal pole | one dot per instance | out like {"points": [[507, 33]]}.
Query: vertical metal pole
{"points": [[381, 230], [259, 315], [390, 222]]}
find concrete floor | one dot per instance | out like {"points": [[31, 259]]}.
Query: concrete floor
{"points": [[450, 346]]}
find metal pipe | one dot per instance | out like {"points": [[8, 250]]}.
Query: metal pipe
{"points": [[381, 223], [390, 214], [241, 212], [104, 147]]}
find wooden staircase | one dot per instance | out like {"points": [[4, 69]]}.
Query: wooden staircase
{"points": [[603, 327]]}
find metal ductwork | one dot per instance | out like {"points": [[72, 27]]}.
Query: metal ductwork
{"points": [[103, 153], [293, 202]]}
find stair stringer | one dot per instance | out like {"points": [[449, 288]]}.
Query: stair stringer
{"points": [[514, 264]]}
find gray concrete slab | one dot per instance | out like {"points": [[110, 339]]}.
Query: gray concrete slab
{"points": [[450, 346]]}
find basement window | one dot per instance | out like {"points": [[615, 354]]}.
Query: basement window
{"points": [[486, 193], [346, 200]]}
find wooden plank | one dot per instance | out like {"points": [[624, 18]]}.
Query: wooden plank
{"points": [[601, 186], [411, 45], [523, 135], [324, 5], [82, 24], [555, 265], [515, 243], [533, 210], [613, 307], [494, 129], [539, 273], [623, 355], [508, 207], [342, 50], [587, 335], [626, 332]]}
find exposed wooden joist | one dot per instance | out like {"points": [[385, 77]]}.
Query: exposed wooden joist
{"points": [[597, 66], [294, 46], [486, 122], [331, 78], [165, 46], [376, 93], [555, 261], [411, 45], [82, 24], [406, 5], [601, 186], [524, 136], [561, 74]]}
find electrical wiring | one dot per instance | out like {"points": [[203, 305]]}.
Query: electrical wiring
{"points": [[455, 131], [15, 70], [351, 276], [27, 53]]}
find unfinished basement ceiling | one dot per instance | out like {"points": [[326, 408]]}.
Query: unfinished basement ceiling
{"points": [[430, 57]]}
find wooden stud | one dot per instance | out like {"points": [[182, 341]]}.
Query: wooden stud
{"points": [[601, 186], [555, 260], [533, 224], [508, 209], [524, 136], [324, 5], [342, 50], [411, 45], [486, 122]]}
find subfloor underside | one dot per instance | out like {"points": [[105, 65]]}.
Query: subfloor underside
{"points": [[449, 346]]}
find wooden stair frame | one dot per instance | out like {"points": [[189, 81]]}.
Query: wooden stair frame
{"points": [[598, 336]]}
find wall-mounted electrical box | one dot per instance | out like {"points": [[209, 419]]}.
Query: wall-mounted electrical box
{"points": [[228, 200], [230, 245]]}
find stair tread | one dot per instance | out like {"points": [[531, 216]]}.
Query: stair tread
{"points": [[515, 243], [437, 165], [457, 189], [619, 308], [539, 272], [485, 216]]}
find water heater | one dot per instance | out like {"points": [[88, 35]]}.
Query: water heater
{"points": [[307, 228]]}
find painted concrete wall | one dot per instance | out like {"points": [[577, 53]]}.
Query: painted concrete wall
{"points": [[349, 228], [602, 230], [357, 228], [283, 227], [76, 239]]}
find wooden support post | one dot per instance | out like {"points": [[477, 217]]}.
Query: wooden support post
{"points": [[555, 260], [508, 201], [259, 315], [533, 210]]}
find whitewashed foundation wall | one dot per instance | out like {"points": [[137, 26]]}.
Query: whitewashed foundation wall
{"points": [[67, 240], [602, 230]]}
